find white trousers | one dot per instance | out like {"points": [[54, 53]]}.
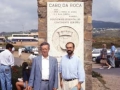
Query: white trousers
{"points": [[69, 85]]}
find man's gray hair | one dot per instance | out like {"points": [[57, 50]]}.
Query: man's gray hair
{"points": [[44, 43]]}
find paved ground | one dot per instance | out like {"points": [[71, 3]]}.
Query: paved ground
{"points": [[19, 60], [111, 76], [26, 44]]}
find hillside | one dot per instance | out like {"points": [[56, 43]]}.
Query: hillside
{"points": [[17, 32], [102, 24], [107, 33]]}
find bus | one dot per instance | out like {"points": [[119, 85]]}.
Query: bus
{"points": [[23, 37]]}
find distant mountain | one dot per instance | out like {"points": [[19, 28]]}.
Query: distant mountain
{"points": [[17, 32], [107, 33], [33, 30], [102, 24]]}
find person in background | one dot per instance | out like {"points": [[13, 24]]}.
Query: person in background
{"points": [[20, 52], [6, 62], [25, 74], [31, 56], [72, 73], [112, 58], [104, 57]]}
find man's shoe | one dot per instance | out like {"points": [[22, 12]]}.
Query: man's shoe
{"points": [[109, 67], [101, 68]]}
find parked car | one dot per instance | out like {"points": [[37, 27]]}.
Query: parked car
{"points": [[28, 49], [36, 53], [98, 58], [9, 41], [95, 53], [23, 48], [1, 50], [35, 49], [117, 58]]}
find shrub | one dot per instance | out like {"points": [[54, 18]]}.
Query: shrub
{"points": [[16, 73], [95, 74], [98, 76], [101, 40]]}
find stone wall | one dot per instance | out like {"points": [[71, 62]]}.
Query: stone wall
{"points": [[42, 29]]}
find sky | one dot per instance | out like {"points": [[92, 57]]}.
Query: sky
{"points": [[21, 15], [106, 10], [18, 15]]}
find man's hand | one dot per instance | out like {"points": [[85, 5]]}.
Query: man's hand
{"points": [[12, 67], [54, 89], [29, 88], [79, 86], [61, 84]]}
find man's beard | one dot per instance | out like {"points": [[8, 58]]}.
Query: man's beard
{"points": [[69, 52]]}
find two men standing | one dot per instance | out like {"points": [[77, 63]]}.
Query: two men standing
{"points": [[44, 73]]}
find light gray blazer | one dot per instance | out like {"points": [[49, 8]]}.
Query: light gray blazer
{"points": [[36, 74]]}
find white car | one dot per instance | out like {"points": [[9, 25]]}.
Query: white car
{"points": [[95, 53], [36, 53], [23, 48], [35, 49]]}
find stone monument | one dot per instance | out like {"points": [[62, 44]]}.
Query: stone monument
{"points": [[65, 23], [60, 21]]}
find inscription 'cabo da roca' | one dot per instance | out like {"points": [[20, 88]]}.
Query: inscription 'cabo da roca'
{"points": [[63, 35], [65, 5]]}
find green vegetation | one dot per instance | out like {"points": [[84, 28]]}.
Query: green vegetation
{"points": [[95, 74], [98, 76], [16, 73], [107, 40]]}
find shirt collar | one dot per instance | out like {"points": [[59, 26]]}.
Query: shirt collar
{"points": [[70, 57], [45, 58], [7, 50]]}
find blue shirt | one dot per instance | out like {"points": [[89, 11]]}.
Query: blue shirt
{"points": [[71, 68], [113, 49]]}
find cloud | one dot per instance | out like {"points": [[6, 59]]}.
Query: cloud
{"points": [[106, 10], [18, 15]]}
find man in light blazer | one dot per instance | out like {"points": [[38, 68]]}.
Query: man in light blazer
{"points": [[44, 72]]}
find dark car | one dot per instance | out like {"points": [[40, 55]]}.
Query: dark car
{"points": [[98, 58], [28, 49], [1, 50], [117, 59], [9, 41]]}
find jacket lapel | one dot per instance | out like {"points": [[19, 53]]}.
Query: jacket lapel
{"points": [[40, 63], [50, 65]]}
